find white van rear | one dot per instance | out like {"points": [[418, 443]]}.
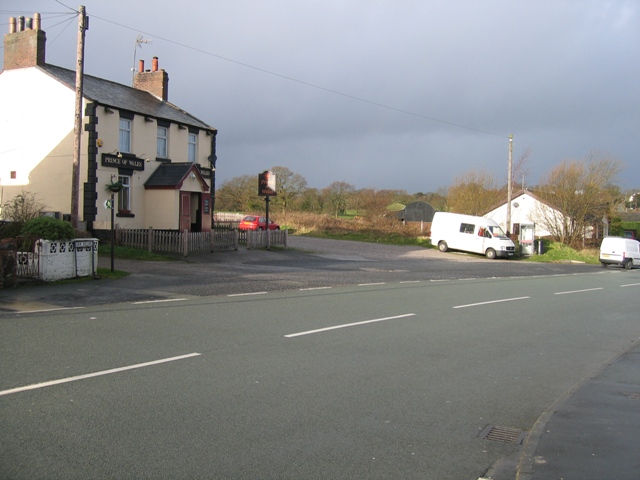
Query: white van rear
{"points": [[470, 234], [619, 251]]}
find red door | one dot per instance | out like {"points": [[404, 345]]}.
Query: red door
{"points": [[185, 211]]}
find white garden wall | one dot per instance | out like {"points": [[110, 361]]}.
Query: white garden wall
{"points": [[68, 258]]}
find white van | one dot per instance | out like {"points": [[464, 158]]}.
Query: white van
{"points": [[619, 251], [470, 234]]}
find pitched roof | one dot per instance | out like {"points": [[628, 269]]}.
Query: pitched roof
{"points": [[518, 194], [121, 97], [172, 175]]}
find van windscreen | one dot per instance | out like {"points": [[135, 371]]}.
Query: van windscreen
{"points": [[497, 231]]}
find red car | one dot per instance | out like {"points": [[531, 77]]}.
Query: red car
{"points": [[251, 222]]}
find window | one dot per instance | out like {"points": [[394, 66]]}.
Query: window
{"points": [[467, 228], [124, 195], [163, 133], [193, 139], [125, 135]]}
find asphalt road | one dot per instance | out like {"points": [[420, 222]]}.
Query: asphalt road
{"points": [[308, 263], [394, 370]]}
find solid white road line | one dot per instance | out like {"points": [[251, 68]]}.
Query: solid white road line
{"points": [[369, 284], [314, 288], [48, 310], [346, 325], [579, 291], [245, 294], [630, 285], [95, 374], [490, 302], [159, 301]]}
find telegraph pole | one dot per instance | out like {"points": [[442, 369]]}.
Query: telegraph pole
{"points": [[77, 127], [509, 184]]}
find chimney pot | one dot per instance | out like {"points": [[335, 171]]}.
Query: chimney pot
{"points": [[37, 21], [28, 24], [154, 64], [141, 66], [20, 23], [12, 24]]}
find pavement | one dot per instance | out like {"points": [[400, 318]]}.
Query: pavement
{"points": [[591, 432]]}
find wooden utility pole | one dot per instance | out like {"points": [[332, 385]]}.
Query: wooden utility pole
{"points": [[509, 184], [77, 127]]}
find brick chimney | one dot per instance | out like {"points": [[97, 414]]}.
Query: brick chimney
{"points": [[24, 45], [156, 82]]}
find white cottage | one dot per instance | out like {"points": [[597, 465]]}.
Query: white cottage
{"points": [[163, 157], [528, 214]]}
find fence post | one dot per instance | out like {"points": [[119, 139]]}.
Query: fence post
{"points": [[150, 239], [236, 239], [185, 243]]}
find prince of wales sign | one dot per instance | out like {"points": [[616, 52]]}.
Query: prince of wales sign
{"points": [[267, 184]]}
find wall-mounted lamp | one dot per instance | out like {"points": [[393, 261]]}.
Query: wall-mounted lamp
{"points": [[108, 110], [193, 176], [116, 153], [145, 157]]}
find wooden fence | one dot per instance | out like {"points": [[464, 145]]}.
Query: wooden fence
{"points": [[186, 242], [176, 242], [267, 238]]}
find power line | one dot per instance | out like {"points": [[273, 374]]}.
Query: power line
{"points": [[302, 82]]}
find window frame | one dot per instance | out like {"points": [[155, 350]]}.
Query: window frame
{"points": [[124, 195], [124, 135], [162, 141], [192, 147]]}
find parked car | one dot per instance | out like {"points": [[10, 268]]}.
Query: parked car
{"points": [[252, 222], [620, 251]]}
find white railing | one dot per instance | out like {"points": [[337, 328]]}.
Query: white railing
{"points": [[227, 217], [176, 242], [266, 238]]}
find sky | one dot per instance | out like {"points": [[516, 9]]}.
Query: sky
{"points": [[384, 94]]}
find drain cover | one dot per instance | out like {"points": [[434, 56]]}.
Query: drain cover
{"points": [[503, 434]]}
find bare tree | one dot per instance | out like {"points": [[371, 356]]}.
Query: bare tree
{"points": [[581, 193], [372, 203], [339, 193], [239, 194], [474, 193], [23, 207], [289, 185]]}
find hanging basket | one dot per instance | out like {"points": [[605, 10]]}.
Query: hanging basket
{"points": [[115, 187]]}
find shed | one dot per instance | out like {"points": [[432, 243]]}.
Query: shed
{"points": [[417, 212]]}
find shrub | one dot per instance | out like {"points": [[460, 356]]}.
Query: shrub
{"points": [[49, 228], [23, 207]]}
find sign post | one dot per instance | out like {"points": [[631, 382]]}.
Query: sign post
{"points": [[267, 189]]}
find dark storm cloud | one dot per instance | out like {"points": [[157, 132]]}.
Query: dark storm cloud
{"points": [[384, 94]]}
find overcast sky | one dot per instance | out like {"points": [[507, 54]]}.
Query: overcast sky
{"points": [[384, 94]]}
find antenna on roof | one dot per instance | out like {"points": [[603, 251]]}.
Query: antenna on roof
{"points": [[139, 41]]}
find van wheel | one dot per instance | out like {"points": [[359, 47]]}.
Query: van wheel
{"points": [[442, 246], [490, 253], [604, 265], [629, 264]]}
